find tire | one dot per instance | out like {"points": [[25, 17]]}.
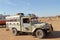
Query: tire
{"points": [[51, 27], [51, 30], [40, 33], [15, 32], [7, 29]]}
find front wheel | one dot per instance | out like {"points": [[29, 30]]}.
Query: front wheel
{"points": [[39, 33], [51, 27]]}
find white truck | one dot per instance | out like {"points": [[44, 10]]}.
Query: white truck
{"points": [[18, 23]]}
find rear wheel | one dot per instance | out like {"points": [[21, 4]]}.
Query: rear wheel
{"points": [[15, 32], [39, 33]]}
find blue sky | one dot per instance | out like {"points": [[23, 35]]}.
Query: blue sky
{"points": [[39, 7]]}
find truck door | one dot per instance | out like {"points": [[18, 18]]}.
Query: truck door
{"points": [[26, 26]]}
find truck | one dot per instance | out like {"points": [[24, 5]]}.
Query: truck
{"points": [[20, 23]]}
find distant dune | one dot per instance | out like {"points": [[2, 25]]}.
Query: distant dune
{"points": [[53, 18]]}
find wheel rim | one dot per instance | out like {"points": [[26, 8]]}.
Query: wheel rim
{"points": [[14, 32]]}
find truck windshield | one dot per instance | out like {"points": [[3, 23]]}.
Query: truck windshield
{"points": [[35, 21]]}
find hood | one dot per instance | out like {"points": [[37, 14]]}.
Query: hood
{"points": [[42, 25]]}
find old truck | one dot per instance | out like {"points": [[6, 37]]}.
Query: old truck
{"points": [[18, 24]]}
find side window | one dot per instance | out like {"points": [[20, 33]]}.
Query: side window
{"points": [[26, 20]]}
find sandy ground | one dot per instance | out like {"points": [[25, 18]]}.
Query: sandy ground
{"points": [[7, 35]]}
